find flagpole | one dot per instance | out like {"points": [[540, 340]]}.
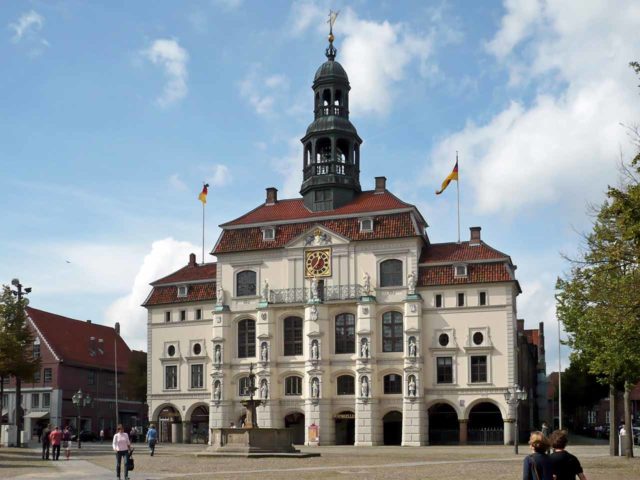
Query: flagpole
{"points": [[203, 233], [458, 192]]}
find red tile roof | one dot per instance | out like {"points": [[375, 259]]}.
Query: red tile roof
{"points": [[459, 252], [70, 340], [396, 225], [294, 209], [190, 273], [476, 273], [196, 292]]}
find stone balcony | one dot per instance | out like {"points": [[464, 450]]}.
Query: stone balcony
{"points": [[325, 294]]}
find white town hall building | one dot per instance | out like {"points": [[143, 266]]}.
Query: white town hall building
{"points": [[360, 330]]}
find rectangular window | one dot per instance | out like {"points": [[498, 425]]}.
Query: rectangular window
{"points": [[91, 377], [293, 386], [460, 270], [35, 400], [292, 336], [392, 384], [167, 317], [171, 377], [460, 300], [182, 291], [243, 386], [46, 400], [36, 349], [482, 298], [183, 315], [479, 369], [48, 375], [438, 300], [36, 377], [199, 314], [197, 376], [445, 369]]}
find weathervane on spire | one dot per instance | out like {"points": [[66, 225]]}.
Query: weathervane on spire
{"points": [[331, 51]]}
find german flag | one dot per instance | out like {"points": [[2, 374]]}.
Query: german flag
{"points": [[203, 194], [452, 176]]}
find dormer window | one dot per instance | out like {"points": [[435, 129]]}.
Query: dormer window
{"points": [[268, 233], [366, 224], [460, 271], [182, 291]]}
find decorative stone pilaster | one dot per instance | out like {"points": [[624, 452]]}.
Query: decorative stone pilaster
{"points": [[317, 415], [368, 424]]}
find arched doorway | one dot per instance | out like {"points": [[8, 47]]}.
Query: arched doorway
{"points": [[345, 428], [444, 428], [200, 425], [167, 418], [485, 424], [392, 428], [295, 421]]}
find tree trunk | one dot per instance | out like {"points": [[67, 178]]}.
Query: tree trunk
{"points": [[613, 433], [18, 411], [628, 445]]}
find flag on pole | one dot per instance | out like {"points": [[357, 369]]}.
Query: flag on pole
{"points": [[452, 176], [203, 195]]}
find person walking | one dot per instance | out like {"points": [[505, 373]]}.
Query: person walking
{"points": [[121, 445], [102, 435], [46, 443], [66, 442], [537, 465], [152, 438], [55, 438], [564, 465]]}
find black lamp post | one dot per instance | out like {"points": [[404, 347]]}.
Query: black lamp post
{"points": [[513, 397], [19, 292], [80, 400]]}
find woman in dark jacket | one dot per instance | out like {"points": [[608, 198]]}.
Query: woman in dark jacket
{"points": [[537, 466]]}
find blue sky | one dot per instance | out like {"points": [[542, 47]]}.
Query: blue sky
{"points": [[114, 113]]}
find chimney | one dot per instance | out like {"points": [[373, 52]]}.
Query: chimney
{"points": [[89, 321], [381, 184], [117, 328], [192, 259], [475, 235], [272, 196]]}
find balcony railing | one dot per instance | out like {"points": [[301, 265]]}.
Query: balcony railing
{"points": [[327, 110], [329, 168], [325, 294]]}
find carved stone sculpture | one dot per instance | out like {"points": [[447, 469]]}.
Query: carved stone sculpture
{"points": [[411, 283], [218, 355], [413, 348], [264, 389], [313, 313], [314, 289], [315, 388], [315, 350], [219, 295], [364, 387], [366, 283], [265, 291], [217, 391], [364, 348], [264, 352], [412, 386]]}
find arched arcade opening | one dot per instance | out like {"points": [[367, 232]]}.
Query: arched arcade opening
{"points": [[169, 422], [345, 423], [444, 428], [295, 421], [485, 424], [392, 428]]}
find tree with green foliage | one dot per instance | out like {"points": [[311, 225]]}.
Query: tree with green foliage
{"points": [[16, 345], [599, 301]]}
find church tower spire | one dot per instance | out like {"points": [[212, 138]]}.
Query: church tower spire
{"points": [[331, 146]]}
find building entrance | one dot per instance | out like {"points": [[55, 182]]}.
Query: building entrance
{"points": [[444, 428], [345, 423], [295, 421], [392, 428]]}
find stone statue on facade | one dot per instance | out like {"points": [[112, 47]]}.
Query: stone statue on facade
{"points": [[315, 388], [364, 387], [412, 386], [264, 389], [264, 352], [265, 291], [413, 348], [364, 348], [411, 283], [313, 313], [219, 295], [217, 355], [314, 289], [315, 350], [217, 391], [366, 283]]}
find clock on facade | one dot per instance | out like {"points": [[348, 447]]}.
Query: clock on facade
{"points": [[318, 263]]}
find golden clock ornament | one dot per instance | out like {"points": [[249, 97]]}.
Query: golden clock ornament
{"points": [[318, 263]]}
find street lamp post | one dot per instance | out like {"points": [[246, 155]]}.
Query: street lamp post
{"points": [[19, 293], [80, 400], [513, 396]]}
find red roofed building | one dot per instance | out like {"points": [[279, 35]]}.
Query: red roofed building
{"points": [[75, 355], [355, 323]]}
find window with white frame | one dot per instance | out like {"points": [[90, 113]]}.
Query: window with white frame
{"points": [[366, 224], [167, 317], [482, 299], [171, 377], [198, 314], [36, 347], [183, 315], [182, 291], [48, 375], [246, 338], [293, 386], [444, 366], [246, 283], [268, 233], [36, 376], [460, 299], [171, 350], [244, 384], [438, 300], [35, 400], [46, 400], [346, 385], [479, 371], [391, 273], [197, 375], [460, 270], [392, 383]]}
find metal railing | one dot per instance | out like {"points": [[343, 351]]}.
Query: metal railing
{"points": [[329, 168], [325, 294], [328, 110], [486, 436]]}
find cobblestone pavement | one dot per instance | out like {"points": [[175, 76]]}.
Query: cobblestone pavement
{"points": [[177, 462]]}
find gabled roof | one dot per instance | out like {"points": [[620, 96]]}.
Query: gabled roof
{"points": [[71, 342], [294, 209], [189, 273], [166, 294], [476, 273], [459, 252], [398, 225]]}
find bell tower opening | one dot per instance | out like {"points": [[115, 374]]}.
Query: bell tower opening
{"points": [[331, 158]]}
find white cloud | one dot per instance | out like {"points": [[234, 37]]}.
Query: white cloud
{"points": [[376, 55], [176, 182], [289, 167], [166, 256], [219, 175], [262, 93], [28, 24], [563, 147], [516, 25], [173, 59]]}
